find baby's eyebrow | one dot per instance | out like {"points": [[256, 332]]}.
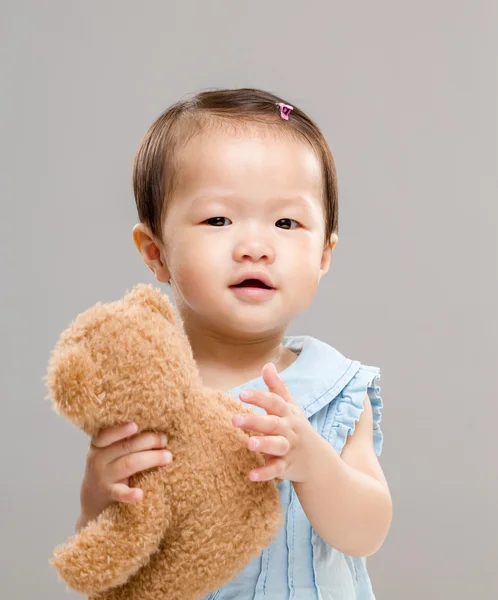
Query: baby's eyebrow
{"points": [[293, 200], [231, 199], [213, 198]]}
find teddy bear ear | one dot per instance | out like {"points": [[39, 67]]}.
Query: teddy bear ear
{"points": [[148, 295], [70, 377]]}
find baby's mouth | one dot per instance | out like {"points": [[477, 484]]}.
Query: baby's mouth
{"points": [[252, 283]]}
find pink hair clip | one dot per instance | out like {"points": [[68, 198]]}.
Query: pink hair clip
{"points": [[285, 110]]}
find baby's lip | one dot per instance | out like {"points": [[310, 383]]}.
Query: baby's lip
{"points": [[259, 275]]}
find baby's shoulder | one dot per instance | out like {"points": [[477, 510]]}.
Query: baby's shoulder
{"points": [[332, 388]]}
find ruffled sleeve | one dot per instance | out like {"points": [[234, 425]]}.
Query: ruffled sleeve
{"points": [[346, 408]]}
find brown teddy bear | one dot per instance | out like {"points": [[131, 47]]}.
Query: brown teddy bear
{"points": [[201, 519]]}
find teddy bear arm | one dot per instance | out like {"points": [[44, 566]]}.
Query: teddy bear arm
{"points": [[111, 548]]}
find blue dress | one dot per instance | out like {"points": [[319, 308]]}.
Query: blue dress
{"points": [[299, 564]]}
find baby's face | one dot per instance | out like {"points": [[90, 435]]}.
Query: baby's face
{"points": [[245, 202]]}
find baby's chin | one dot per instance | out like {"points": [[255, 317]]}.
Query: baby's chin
{"points": [[228, 316], [253, 327]]}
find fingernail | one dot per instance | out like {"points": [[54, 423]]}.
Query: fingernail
{"points": [[167, 457], [137, 494], [244, 395], [238, 421], [131, 427], [164, 439]]}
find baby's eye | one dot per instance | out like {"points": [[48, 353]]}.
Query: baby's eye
{"points": [[286, 223], [215, 221]]}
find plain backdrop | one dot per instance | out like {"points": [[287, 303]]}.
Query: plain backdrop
{"points": [[406, 94]]}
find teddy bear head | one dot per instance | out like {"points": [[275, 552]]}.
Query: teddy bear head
{"points": [[122, 361]]}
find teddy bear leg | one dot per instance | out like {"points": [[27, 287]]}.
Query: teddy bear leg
{"points": [[118, 543]]}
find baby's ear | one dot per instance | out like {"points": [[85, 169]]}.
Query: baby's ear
{"points": [[70, 379], [148, 295]]}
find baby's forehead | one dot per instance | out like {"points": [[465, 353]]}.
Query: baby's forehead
{"points": [[231, 160]]}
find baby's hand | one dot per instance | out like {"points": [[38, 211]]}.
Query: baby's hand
{"points": [[288, 439], [114, 455]]}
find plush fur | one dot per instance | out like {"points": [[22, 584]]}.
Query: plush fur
{"points": [[201, 520]]}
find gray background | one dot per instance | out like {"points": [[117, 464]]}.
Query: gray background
{"points": [[406, 93]]}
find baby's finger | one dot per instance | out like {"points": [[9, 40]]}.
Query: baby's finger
{"points": [[109, 435], [276, 445], [272, 403], [267, 424], [275, 467], [128, 465], [122, 493], [147, 440]]}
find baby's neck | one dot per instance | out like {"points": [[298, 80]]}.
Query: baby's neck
{"points": [[223, 368]]}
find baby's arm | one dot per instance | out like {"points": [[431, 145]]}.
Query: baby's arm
{"points": [[352, 487]]}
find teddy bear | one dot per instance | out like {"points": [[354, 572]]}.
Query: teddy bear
{"points": [[201, 520]]}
